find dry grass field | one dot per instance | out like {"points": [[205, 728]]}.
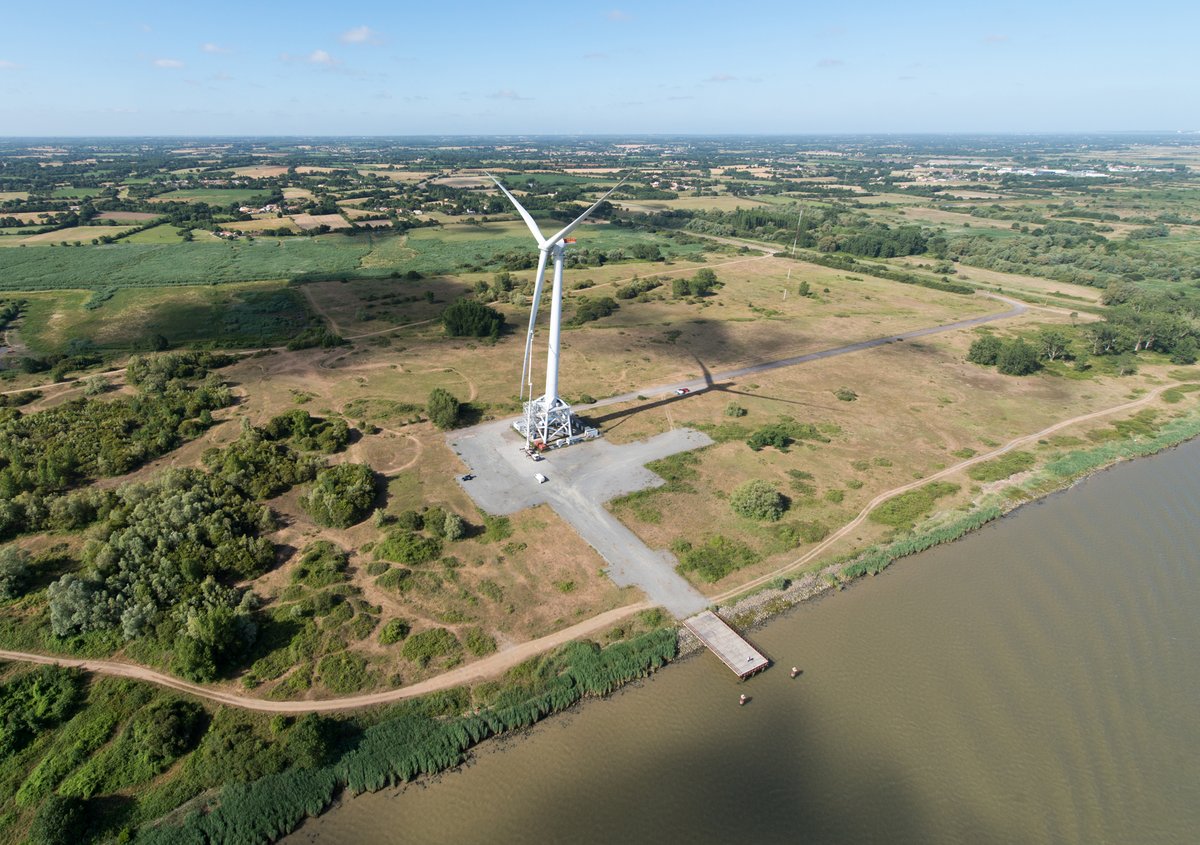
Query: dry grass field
{"points": [[312, 221]]}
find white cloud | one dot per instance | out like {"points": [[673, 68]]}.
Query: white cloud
{"points": [[507, 94], [721, 77], [168, 63], [617, 16], [214, 48], [5, 64], [360, 35], [995, 38], [830, 63], [320, 57], [595, 56]]}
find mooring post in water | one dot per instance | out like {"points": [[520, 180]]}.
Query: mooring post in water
{"points": [[743, 699]]}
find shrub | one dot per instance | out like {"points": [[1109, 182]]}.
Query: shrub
{"points": [[588, 310], [479, 642], [757, 499], [454, 528], [435, 520], [904, 510], [410, 521], [443, 408], [1018, 358], [61, 820], [469, 318], [715, 558], [341, 496], [845, 394], [14, 572], [783, 433], [424, 646], [343, 672], [322, 564], [1002, 467], [733, 409], [393, 631], [985, 350], [408, 547]]}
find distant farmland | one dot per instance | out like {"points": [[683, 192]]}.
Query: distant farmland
{"points": [[333, 256]]}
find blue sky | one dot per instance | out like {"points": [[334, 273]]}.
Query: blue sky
{"points": [[374, 68]]}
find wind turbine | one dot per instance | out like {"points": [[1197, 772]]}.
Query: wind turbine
{"points": [[547, 417]]}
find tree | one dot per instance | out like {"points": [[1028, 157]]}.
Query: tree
{"points": [[443, 408], [454, 527], [1053, 344], [757, 499], [469, 318], [1017, 358], [1185, 352]]}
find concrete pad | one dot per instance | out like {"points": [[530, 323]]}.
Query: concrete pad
{"points": [[581, 478]]}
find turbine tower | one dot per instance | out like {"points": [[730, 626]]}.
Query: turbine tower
{"points": [[548, 417]]}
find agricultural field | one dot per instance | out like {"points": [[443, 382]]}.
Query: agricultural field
{"points": [[164, 233], [124, 319], [217, 196]]}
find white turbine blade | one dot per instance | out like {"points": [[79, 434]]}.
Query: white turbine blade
{"points": [[571, 226], [533, 227], [527, 364]]}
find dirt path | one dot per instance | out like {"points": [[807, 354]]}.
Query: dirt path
{"points": [[488, 667], [913, 485], [312, 300]]}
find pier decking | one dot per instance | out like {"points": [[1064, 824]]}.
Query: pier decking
{"points": [[726, 643]]}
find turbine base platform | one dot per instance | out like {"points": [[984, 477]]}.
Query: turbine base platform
{"points": [[552, 425]]}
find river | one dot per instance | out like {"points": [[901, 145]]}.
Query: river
{"points": [[1037, 681]]}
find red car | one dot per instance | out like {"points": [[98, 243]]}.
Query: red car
{"points": [[679, 391]]}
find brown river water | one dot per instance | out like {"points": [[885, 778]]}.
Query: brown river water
{"points": [[1038, 681]]}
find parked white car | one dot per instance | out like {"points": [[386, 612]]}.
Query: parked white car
{"points": [[541, 479]]}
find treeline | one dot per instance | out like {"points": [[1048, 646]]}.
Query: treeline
{"points": [[828, 230], [845, 262]]}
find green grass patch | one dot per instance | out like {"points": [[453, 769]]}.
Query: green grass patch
{"points": [[1174, 395], [904, 510], [425, 646], [1002, 467], [715, 557]]}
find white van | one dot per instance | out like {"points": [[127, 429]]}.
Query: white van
{"points": [[541, 479]]}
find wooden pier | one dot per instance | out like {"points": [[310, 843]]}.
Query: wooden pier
{"points": [[726, 643]]}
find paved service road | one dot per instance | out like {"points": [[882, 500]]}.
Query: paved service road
{"points": [[581, 479]]}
